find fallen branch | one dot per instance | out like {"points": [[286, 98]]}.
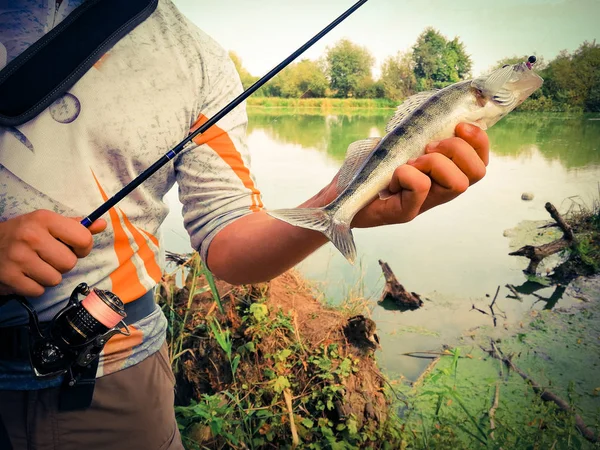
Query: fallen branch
{"points": [[545, 395], [512, 289], [491, 306], [537, 254], [396, 292]]}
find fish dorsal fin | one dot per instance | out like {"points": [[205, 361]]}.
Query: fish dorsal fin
{"points": [[407, 107], [491, 84], [355, 155]]}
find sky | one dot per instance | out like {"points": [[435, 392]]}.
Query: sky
{"points": [[264, 32]]}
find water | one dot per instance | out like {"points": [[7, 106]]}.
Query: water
{"points": [[452, 255]]}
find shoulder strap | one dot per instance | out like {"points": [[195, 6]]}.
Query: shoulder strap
{"points": [[43, 72]]}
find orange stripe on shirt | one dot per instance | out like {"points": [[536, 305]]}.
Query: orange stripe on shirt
{"points": [[145, 252], [150, 236], [126, 283], [217, 139], [119, 348]]}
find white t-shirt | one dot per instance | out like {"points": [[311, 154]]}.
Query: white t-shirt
{"points": [[140, 99]]}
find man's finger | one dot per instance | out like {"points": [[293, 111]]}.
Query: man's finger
{"points": [[443, 172], [43, 273], [57, 254], [72, 234], [476, 138], [463, 155], [96, 227]]}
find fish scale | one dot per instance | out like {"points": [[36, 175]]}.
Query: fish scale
{"points": [[425, 117]]}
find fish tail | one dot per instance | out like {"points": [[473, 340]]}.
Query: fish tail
{"points": [[322, 220]]}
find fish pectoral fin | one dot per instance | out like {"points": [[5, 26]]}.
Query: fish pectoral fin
{"points": [[489, 85], [340, 235], [356, 154], [407, 107]]}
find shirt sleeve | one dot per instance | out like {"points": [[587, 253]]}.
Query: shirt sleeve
{"points": [[215, 183]]}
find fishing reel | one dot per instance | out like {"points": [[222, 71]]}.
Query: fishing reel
{"points": [[77, 334]]}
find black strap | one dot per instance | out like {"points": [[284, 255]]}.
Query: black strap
{"points": [[47, 69], [78, 396], [14, 341]]}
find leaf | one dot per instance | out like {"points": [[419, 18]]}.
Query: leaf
{"points": [[283, 354], [234, 364], [539, 280], [307, 423], [280, 384], [213, 287], [259, 311], [352, 426]]}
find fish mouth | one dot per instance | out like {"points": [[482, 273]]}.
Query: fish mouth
{"points": [[525, 81]]}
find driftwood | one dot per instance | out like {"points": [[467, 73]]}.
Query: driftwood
{"points": [[536, 254], [544, 394], [395, 292]]}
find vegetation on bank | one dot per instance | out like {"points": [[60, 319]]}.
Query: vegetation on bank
{"points": [[571, 80], [322, 104], [273, 369]]}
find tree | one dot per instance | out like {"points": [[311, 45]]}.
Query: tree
{"points": [[310, 79], [247, 79], [347, 64], [439, 62], [397, 76], [299, 80], [540, 63], [572, 81]]}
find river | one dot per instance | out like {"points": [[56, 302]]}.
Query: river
{"points": [[455, 255]]}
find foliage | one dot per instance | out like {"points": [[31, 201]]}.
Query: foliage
{"points": [[245, 77], [398, 77], [255, 414], [305, 79], [572, 81], [439, 62], [348, 65], [272, 386]]}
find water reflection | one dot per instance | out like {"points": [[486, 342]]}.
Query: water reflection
{"points": [[574, 141], [329, 133]]}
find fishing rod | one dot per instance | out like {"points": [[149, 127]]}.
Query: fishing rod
{"points": [[102, 209]]}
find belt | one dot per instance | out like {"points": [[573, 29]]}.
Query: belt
{"points": [[14, 341]]}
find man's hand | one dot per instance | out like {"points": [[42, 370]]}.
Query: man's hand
{"points": [[447, 169], [37, 248]]}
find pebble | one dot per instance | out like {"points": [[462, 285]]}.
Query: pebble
{"points": [[526, 196]]}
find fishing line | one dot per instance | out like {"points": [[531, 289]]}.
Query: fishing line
{"points": [[102, 209]]}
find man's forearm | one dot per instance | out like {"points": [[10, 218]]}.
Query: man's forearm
{"points": [[258, 247]]}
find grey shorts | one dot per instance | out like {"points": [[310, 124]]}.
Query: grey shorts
{"points": [[131, 409]]}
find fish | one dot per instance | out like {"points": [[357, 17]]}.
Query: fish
{"points": [[422, 118]]}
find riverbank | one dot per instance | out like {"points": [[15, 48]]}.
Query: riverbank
{"points": [[322, 104], [270, 366]]}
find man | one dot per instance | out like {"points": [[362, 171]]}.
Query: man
{"points": [[145, 94]]}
